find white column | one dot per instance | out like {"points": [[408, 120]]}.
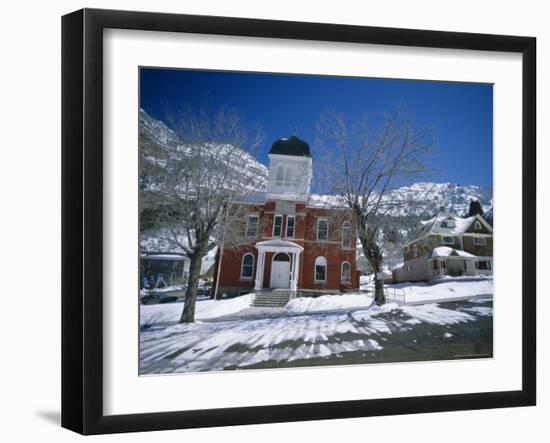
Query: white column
{"points": [[258, 283], [295, 268]]}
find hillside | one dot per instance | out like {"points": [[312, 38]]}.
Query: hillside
{"points": [[167, 144], [417, 202], [425, 198], [159, 144]]}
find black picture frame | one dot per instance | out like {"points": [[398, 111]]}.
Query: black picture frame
{"points": [[82, 215]]}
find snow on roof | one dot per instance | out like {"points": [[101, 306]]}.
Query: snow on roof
{"points": [[446, 251], [159, 245], [208, 260], [447, 223], [160, 256], [278, 243], [326, 201], [159, 241], [252, 198], [315, 200]]}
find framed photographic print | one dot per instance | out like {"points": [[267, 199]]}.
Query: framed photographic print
{"points": [[269, 221]]}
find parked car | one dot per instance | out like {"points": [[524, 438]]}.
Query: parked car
{"points": [[159, 297]]}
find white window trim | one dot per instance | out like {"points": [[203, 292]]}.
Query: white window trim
{"points": [[293, 217], [443, 237], [318, 222], [477, 225], [342, 272], [483, 239], [242, 267], [449, 222], [489, 262], [247, 223], [415, 250], [273, 230], [350, 243], [315, 269]]}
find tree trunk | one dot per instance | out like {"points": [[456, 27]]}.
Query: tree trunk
{"points": [[375, 260], [188, 314], [373, 254], [379, 296]]}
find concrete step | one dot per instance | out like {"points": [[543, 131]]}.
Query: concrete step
{"points": [[270, 300], [270, 305], [266, 296]]}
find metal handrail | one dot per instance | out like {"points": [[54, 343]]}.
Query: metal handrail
{"points": [[396, 295]]}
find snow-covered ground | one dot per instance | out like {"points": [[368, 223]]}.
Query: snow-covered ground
{"points": [[450, 288], [208, 310], [325, 303], [169, 313], [315, 338]]}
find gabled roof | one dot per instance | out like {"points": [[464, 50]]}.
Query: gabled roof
{"points": [[451, 224], [461, 225], [446, 251]]}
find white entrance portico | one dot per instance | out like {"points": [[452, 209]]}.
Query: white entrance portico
{"points": [[279, 279]]}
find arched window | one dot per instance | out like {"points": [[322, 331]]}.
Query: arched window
{"points": [[280, 175], [477, 225], [320, 269], [346, 271], [247, 267], [346, 235]]}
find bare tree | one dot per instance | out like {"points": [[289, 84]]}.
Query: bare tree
{"points": [[363, 164], [197, 183]]}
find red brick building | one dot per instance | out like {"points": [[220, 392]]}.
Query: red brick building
{"points": [[290, 242]]}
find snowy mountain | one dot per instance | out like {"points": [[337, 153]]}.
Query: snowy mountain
{"points": [[417, 202], [156, 132], [426, 199], [422, 199], [158, 145]]}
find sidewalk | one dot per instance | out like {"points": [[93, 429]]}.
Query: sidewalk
{"points": [[253, 313]]}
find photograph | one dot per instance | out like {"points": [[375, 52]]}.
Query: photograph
{"points": [[292, 220], [271, 222]]}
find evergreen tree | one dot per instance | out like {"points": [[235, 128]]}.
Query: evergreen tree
{"points": [[475, 208], [489, 217]]}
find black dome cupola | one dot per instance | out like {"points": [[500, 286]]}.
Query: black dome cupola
{"points": [[290, 146]]}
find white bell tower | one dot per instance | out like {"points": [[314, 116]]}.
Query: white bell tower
{"points": [[290, 170]]}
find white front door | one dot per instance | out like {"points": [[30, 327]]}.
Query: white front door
{"points": [[280, 271]]}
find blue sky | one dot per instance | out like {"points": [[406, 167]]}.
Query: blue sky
{"points": [[460, 114]]}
